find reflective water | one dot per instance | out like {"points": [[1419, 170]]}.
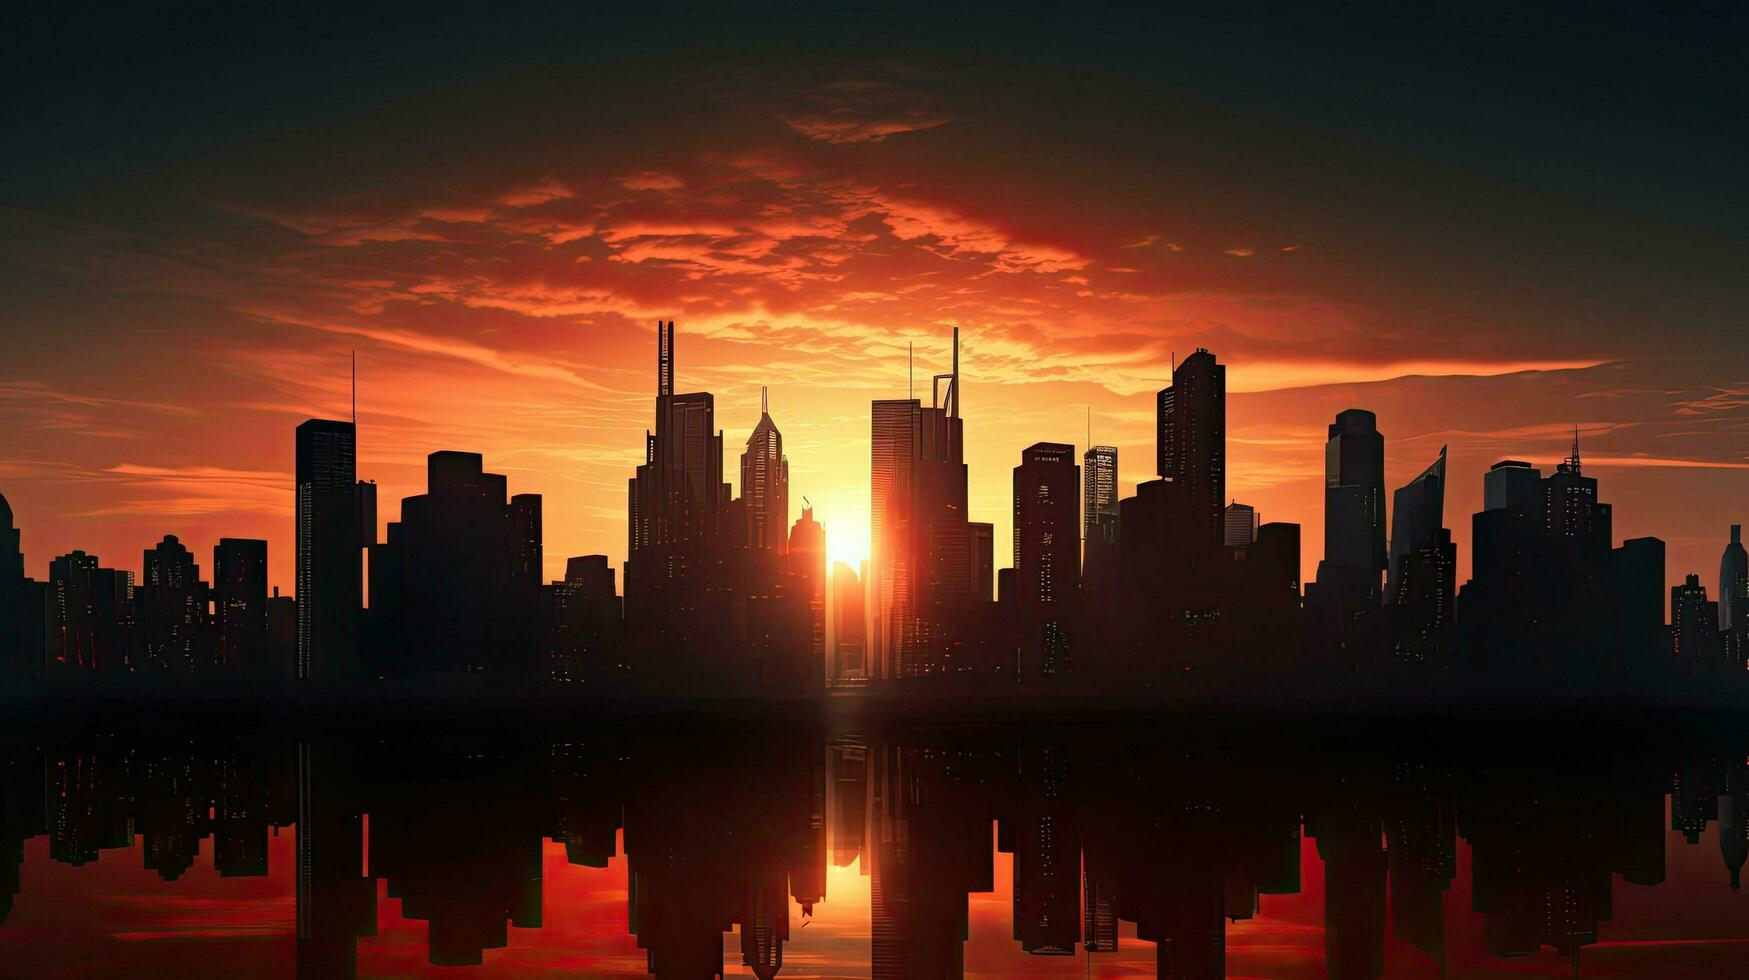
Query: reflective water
{"points": [[1196, 849]]}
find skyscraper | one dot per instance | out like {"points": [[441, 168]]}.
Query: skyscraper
{"points": [[678, 506], [1734, 583], [923, 571], [1099, 514], [463, 564], [240, 605], [678, 493], [171, 609], [893, 441], [1354, 493], [1417, 513], [1572, 510], [1694, 623], [1545, 583], [849, 631], [1239, 525], [983, 535], [1512, 484], [330, 577], [806, 570], [1165, 442], [1191, 418], [1045, 525], [14, 616], [72, 626], [765, 485]]}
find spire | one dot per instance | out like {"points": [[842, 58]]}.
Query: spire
{"points": [[953, 391], [764, 405], [664, 357], [355, 391], [1574, 459]]}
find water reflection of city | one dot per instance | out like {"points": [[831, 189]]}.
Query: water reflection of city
{"points": [[1128, 845]]}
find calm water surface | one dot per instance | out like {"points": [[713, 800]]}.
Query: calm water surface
{"points": [[758, 849]]}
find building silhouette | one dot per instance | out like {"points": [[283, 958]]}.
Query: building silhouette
{"points": [[89, 616], [1417, 512], [1734, 583], [923, 575], [240, 607], [676, 566], [330, 574], [1694, 626], [1239, 525], [1048, 578], [1354, 510], [459, 576], [170, 610], [1421, 584], [582, 631], [983, 551], [765, 485], [1099, 517], [849, 628], [806, 576], [1191, 424], [15, 613]]}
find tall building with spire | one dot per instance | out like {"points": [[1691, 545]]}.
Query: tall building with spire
{"points": [[1099, 510], [1571, 508], [678, 495], [677, 576], [765, 485], [330, 548], [922, 570]]}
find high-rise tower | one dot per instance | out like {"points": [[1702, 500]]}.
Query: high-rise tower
{"points": [[678, 493], [1734, 583], [13, 615], [677, 502], [923, 568], [1099, 510], [1417, 513], [1354, 493], [1191, 419], [765, 484], [805, 566], [1048, 579], [330, 575]]}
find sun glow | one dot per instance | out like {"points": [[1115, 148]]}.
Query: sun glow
{"points": [[847, 535]]}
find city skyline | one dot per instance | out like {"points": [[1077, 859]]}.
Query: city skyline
{"points": [[851, 543], [1176, 592]]}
